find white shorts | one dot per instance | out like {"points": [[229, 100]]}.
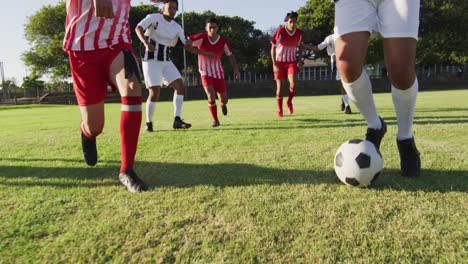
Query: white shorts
{"points": [[390, 18], [157, 73]]}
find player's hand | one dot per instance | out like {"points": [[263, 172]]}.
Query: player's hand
{"points": [[103, 8], [188, 42], [300, 65], [275, 68], [149, 47], [236, 73]]}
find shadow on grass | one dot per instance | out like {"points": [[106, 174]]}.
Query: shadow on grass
{"points": [[182, 175]]}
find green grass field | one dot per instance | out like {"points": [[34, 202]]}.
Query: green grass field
{"points": [[258, 189]]}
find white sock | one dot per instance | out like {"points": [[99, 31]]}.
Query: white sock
{"points": [[405, 102], [150, 108], [345, 98], [360, 92], [178, 100]]}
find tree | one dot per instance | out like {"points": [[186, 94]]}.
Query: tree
{"points": [[32, 86], [316, 19], [45, 31], [443, 31]]}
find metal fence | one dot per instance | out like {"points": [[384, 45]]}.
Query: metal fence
{"points": [[435, 71]]}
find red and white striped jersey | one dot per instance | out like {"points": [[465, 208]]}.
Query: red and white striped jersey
{"points": [[207, 66], [286, 44], [84, 31]]}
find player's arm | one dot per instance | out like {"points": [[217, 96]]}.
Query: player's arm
{"points": [[310, 47], [141, 36], [103, 8], [233, 62], [300, 63], [188, 46], [140, 31], [273, 58]]}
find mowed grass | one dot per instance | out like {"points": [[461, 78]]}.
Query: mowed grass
{"points": [[256, 189]]}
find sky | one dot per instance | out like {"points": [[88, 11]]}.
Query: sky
{"points": [[13, 16]]}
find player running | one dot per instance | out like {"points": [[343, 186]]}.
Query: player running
{"points": [[97, 40], [159, 33], [397, 21], [210, 67], [329, 44], [285, 42]]}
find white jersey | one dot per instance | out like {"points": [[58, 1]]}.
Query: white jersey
{"points": [[162, 34], [329, 44]]}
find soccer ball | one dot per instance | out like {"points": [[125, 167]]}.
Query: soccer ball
{"points": [[358, 163]]}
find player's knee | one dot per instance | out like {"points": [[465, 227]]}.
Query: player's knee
{"points": [[94, 129], [401, 77], [349, 72], [153, 97]]}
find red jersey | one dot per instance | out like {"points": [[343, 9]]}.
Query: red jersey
{"points": [[84, 31], [207, 66], [286, 44]]}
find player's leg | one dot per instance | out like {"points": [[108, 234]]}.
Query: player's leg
{"points": [[221, 89], [345, 101], [178, 101], [292, 77], [210, 92], [354, 20], [351, 50], [124, 74], [280, 78], [153, 97], [223, 98], [90, 86], [152, 71], [334, 70], [172, 76], [212, 107], [399, 27], [280, 83], [92, 124]]}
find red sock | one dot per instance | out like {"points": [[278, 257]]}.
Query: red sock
{"points": [[213, 110], [279, 101], [292, 92], [130, 122], [86, 134]]}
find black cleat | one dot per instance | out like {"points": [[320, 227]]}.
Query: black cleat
{"points": [[342, 106], [149, 127], [89, 150], [130, 180], [224, 109], [178, 123], [375, 135], [410, 162], [348, 110], [215, 124]]}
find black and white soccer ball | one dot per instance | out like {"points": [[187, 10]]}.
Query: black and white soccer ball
{"points": [[358, 163]]}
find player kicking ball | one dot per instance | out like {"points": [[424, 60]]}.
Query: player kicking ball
{"points": [[98, 42], [286, 64], [398, 22], [159, 33], [210, 67]]}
